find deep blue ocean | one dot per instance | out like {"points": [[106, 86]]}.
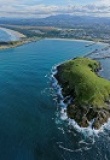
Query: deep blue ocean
{"points": [[30, 128]]}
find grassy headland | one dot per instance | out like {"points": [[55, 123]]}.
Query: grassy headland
{"points": [[90, 93]]}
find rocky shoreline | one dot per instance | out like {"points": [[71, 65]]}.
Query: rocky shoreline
{"points": [[85, 112]]}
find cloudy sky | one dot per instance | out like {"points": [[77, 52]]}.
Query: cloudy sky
{"points": [[44, 8]]}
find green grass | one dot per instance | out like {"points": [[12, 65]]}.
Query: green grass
{"points": [[89, 88]]}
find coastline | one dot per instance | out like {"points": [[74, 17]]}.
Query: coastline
{"points": [[91, 43], [12, 33], [78, 40], [14, 44], [22, 39], [63, 107]]}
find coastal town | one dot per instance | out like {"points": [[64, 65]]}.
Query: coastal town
{"points": [[77, 32], [27, 34]]}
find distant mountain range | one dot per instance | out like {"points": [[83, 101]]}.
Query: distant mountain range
{"points": [[58, 21]]}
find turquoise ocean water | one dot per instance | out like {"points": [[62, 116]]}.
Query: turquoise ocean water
{"points": [[30, 128]]}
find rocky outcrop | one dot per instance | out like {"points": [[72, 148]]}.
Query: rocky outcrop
{"points": [[88, 93]]}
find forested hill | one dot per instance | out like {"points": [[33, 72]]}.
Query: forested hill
{"points": [[59, 20]]}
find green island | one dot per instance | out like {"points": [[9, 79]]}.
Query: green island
{"points": [[89, 93]]}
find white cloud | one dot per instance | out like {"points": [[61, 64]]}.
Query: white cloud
{"points": [[103, 2], [17, 8]]}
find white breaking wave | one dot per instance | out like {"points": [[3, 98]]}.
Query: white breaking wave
{"points": [[88, 131]]}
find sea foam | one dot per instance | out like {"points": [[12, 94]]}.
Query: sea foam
{"points": [[88, 131]]}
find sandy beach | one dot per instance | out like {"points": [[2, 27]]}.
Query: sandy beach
{"points": [[13, 34], [78, 40]]}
